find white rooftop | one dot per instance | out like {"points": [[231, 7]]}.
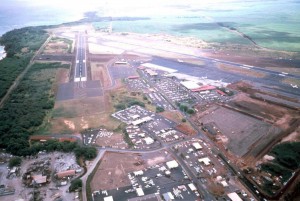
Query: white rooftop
{"points": [[224, 183], [140, 172], [148, 140], [192, 187], [190, 84], [168, 196], [197, 146], [205, 160], [140, 121], [157, 67], [139, 192], [109, 198], [172, 164], [234, 197]]}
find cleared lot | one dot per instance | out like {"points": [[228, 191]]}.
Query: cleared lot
{"points": [[77, 115], [243, 132], [114, 167]]}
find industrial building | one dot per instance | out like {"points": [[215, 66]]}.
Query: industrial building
{"points": [[66, 173], [172, 164], [140, 121], [168, 196], [234, 196], [205, 161], [39, 179], [190, 85], [197, 146]]}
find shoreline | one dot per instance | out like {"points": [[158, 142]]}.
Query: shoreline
{"points": [[2, 53]]}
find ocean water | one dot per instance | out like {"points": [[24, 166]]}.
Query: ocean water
{"points": [[273, 24], [21, 13]]}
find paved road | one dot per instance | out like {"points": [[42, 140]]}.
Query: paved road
{"points": [[90, 169], [80, 64]]}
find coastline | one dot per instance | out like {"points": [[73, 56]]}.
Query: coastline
{"points": [[2, 53]]}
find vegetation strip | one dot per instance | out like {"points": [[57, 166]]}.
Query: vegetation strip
{"points": [[20, 46], [27, 107]]}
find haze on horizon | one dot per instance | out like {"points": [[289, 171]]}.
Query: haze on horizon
{"points": [[131, 8]]}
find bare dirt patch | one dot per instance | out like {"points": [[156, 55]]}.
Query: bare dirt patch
{"points": [[99, 72], [239, 70], [267, 108], [292, 81], [295, 71], [172, 115], [186, 129], [177, 117], [77, 115], [194, 61], [58, 46], [293, 137], [245, 134], [62, 76], [113, 169], [259, 108]]}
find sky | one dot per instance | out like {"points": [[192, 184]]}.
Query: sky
{"points": [[122, 7]]}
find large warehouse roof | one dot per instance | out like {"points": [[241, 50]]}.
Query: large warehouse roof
{"points": [[157, 67], [234, 196], [190, 85]]}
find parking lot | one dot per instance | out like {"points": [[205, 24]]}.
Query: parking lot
{"points": [[173, 90], [137, 85], [162, 129], [208, 167], [132, 114], [146, 128], [163, 179], [121, 72], [141, 139], [157, 99], [213, 96], [103, 138]]}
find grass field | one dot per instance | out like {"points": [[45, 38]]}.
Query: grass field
{"points": [[123, 97], [240, 71], [76, 115]]}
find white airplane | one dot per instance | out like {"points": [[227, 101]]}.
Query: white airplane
{"points": [[294, 86]]}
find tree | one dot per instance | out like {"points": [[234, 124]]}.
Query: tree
{"points": [[183, 107], [190, 111], [75, 185], [15, 161], [90, 153], [159, 109]]}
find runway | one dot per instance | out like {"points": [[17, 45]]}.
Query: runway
{"points": [[80, 65]]}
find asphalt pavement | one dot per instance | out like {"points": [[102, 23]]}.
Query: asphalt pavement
{"points": [[80, 65]]}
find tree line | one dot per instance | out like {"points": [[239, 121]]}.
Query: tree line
{"points": [[20, 45], [26, 108]]}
